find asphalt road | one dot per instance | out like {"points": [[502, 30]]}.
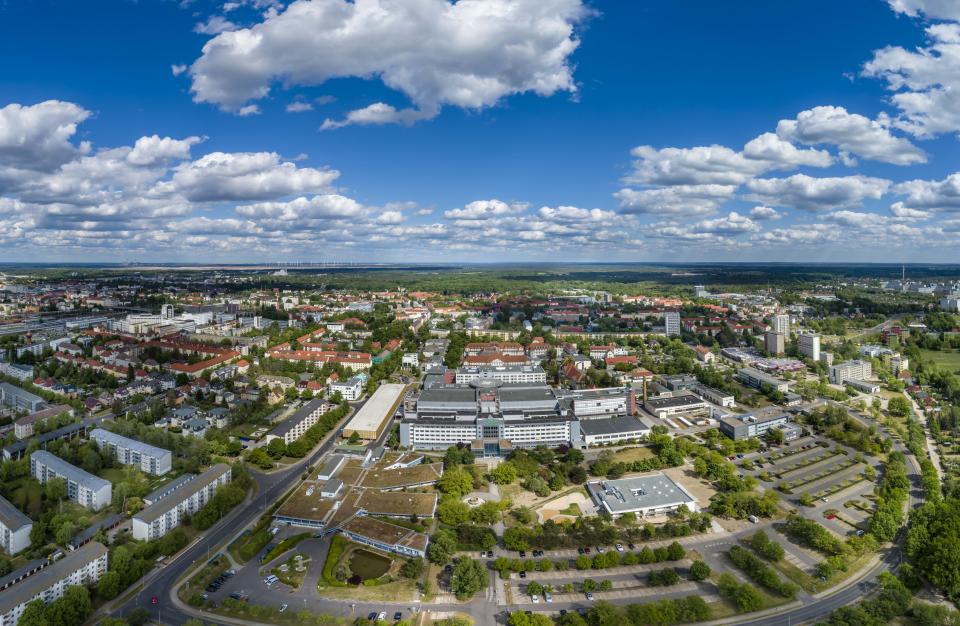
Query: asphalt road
{"points": [[162, 583]]}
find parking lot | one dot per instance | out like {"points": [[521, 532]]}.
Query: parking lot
{"points": [[829, 476]]}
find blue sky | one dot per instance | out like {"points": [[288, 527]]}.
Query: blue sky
{"points": [[421, 130]]}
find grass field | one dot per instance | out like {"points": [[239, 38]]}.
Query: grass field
{"points": [[947, 360], [629, 455]]}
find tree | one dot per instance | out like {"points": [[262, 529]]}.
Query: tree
{"points": [[452, 511], [899, 406], [504, 474], [109, 585], [34, 614], [56, 489], [260, 458], [468, 577], [456, 482], [675, 552], [413, 568], [699, 570], [139, 616], [443, 545], [534, 588], [276, 448]]}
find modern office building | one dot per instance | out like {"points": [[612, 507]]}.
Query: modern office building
{"points": [[528, 374], [671, 323], [15, 528], [716, 396], [84, 488], [810, 345], [150, 459], [684, 404], [755, 425], [753, 377], [82, 567], [168, 512], [650, 495], [20, 399], [494, 417], [350, 389], [604, 431], [856, 370]]}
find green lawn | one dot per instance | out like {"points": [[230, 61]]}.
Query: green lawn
{"points": [[947, 360]]}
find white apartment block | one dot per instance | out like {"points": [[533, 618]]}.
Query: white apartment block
{"points": [[166, 514], [15, 528], [150, 459], [671, 323], [781, 324], [299, 423], [350, 389], [850, 370], [82, 567], [810, 346], [86, 489]]}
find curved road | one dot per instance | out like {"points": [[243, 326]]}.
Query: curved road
{"points": [[162, 583]]}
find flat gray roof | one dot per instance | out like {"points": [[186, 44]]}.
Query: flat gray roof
{"points": [[612, 426], [651, 491], [126, 442], [12, 517], [68, 471], [32, 586], [755, 418], [155, 510], [681, 400], [168, 488], [288, 424]]}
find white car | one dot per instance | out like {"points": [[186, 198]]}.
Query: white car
{"points": [[283, 607], [536, 599], [619, 547], [382, 616]]}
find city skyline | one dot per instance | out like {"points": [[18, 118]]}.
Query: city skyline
{"points": [[496, 130]]}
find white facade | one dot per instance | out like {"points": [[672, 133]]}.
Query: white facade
{"points": [[781, 324], [535, 431], [671, 323], [350, 389], [15, 528], [810, 346], [150, 459], [82, 567], [856, 370], [503, 373], [84, 488], [167, 513]]}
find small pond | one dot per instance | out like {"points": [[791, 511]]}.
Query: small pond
{"points": [[368, 565]]}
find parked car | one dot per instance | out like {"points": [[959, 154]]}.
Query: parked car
{"points": [[283, 607], [523, 574], [536, 599], [372, 616], [382, 616], [397, 616], [619, 547], [589, 595]]}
